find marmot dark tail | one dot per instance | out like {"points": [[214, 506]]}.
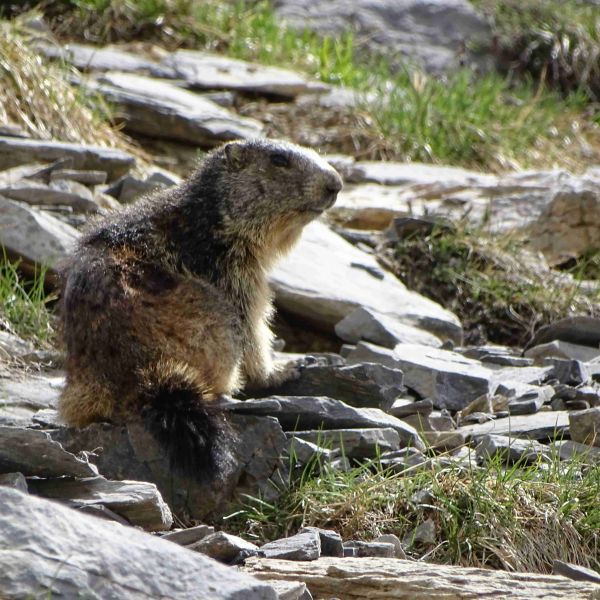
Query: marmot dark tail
{"points": [[177, 414]]}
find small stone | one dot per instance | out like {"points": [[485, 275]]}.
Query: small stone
{"points": [[390, 538], [16, 481], [185, 537], [365, 549], [224, 547], [403, 407], [302, 546], [584, 426], [568, 450], [331, 541], [443, 441], [425, 533], [570, 372], [304, 452]]}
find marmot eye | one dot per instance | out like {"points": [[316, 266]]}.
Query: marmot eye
{"points": [[280, 160]]}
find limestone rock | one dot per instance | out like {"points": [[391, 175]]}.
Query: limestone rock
{"points": [[34, 235], [34, 452], [576, 572], [137, 501], [354, 443], [511, 450], [303, 546], [58, 192], [224, 547], [325, 278], [361, 549], [17, 151], [431, 34], [367, 325], [562, 349], [67, 554], [568, 449], [584, 426], [201, 70], [190, 535], [161, 109], [384, 578], [331, 541]]}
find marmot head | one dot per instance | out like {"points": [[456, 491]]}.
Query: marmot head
{"points": [[272, 189]]}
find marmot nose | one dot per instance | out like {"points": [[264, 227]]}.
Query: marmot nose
{"points": [[332, 188]]}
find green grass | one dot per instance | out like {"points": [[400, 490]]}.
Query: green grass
{"points": [[482, 121], [502, 292], [518, 517], [23, 303]]}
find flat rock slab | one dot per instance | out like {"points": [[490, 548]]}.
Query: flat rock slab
{"points": [[543, 425], [385, 578], [581, 330], [224, 547], [361, 385], [354, 443], [163, 110], [48, 550], [325, 278], [65, 193], [367, 325], [511, 450], [313, 412], [201, 70], [21, 398], [34, 235], [447, 378], [34, 453], [249, 456], [18, 151], [137, 501]]}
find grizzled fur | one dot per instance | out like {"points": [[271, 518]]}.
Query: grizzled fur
{"points": [[166, 303]]}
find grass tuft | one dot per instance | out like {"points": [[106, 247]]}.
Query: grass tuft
{"points": [[23, 304]]}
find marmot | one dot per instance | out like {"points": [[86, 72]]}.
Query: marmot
{"points": [[166, 306]]}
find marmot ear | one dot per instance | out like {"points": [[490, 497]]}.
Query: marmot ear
{"points": [[234, 152]]}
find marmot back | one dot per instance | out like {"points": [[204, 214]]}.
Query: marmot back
{"points": [[165, 305]]}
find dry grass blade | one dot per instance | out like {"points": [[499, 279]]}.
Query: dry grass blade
{"points": [[38, 97]]}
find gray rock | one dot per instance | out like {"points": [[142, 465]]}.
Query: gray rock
{"points": [[584, 426], [354, 443], [289, 590], [313, 412], [201, 70], [444, 441], [249, 457], [433, 35], [12, 346], [304, 452], [576, 572], [331, 541], [403, 407], [425, 533], [16, 481], [58, 192], [367, 325], [569, 372], [323, 292], [137, 501], [224, 547], [447, 378], [108, 58], [562, 349], [390, 538], [403, 460], [580, 330], [361, 385], [84, 177], [70, 555], [130, 188], [365, 549], [569, 450], [302, 546], [529, 398], [511, 450], [34, 235], [185, 537], [256, 406], [540, 426], [15, 151], [163, 110], [34, 452]]}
